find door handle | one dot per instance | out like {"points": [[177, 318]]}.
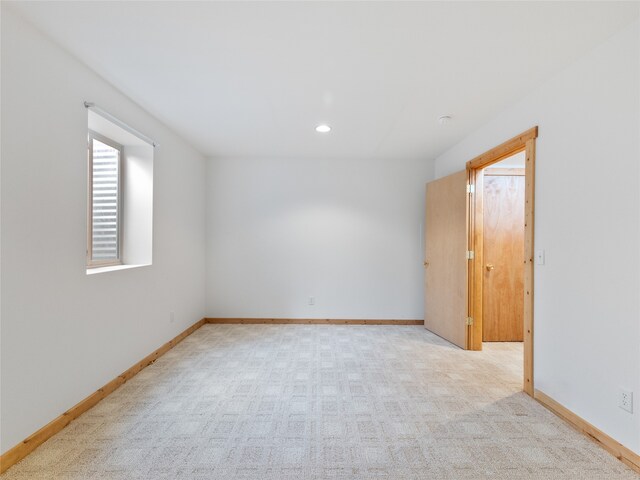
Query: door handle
{"points": [[489, 267]]}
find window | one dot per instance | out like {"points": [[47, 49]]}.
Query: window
{"points": [[105, 200], [120, 195]]}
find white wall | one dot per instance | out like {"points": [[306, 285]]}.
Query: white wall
{"points": [[346, 232], [64, 333], [587, 296]]}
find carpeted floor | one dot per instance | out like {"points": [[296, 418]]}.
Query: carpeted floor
{"points": [[301, 402]]}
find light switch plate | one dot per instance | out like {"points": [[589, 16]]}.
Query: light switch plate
{"points": [[539, 257]]}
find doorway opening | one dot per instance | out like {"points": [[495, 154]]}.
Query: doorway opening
{"points": [[500, 273]]}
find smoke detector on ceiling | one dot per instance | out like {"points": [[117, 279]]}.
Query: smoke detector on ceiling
{"points": [[444, 119]]}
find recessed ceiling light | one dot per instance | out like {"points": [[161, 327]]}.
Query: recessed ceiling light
{"points": [[323, 129]]}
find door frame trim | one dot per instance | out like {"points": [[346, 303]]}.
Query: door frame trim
{"points": [[526, 142]]}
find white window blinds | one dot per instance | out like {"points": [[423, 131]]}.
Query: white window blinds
{"points": [[105, 165]]}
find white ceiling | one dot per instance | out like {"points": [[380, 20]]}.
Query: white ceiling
{"points": [[241, 79]]}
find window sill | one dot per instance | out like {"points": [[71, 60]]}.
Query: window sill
{"points": [[113, 268]]}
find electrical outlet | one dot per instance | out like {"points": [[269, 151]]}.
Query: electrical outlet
{"points": [[625, 400], [312, 300], [172, 317]]}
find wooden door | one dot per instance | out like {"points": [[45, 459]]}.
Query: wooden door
{"points": [[503, 285], [446, 224]]}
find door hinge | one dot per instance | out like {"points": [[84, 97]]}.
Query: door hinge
{"points": [[471, 189], [469, 321], [471, 255]]}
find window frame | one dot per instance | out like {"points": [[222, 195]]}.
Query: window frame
{"points": [[93, 135]]}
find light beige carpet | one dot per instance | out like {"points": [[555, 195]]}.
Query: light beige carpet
{"points": [[285, 402]]}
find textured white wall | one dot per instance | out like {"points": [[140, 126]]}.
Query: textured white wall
{"points": [[65, 334], [587, 296], [347, 232]]}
